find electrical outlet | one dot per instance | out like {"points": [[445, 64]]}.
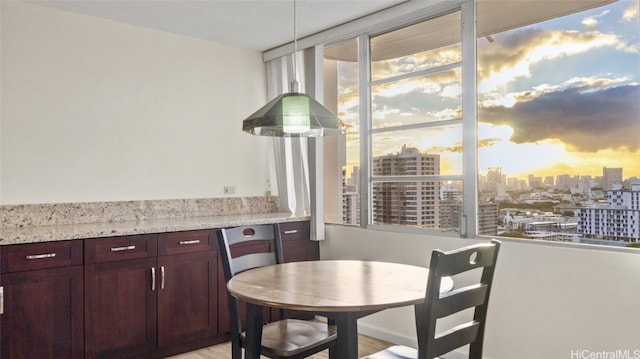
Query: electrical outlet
{"points": [[229, 189]]}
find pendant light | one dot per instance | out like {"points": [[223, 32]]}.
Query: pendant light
{"points": [[293, 114]]}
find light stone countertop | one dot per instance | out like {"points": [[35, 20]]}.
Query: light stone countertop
{"points": [[47, 233]]}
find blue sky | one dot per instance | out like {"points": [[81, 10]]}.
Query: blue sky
{"points": [[556, 97], [563, 94]]}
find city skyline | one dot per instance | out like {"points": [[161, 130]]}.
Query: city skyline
{"points": [[545, 94]]}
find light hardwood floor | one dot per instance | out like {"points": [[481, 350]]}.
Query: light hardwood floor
{"points": [[366, 346]]}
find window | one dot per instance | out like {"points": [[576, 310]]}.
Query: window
{"points": [[411, 127], [558, 123], [554, 145]]}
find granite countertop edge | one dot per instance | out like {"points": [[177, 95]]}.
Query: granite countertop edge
{"points": [[34, 234]]}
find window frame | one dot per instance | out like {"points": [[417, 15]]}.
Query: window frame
{"points": [[468, 123], [403, 15]]}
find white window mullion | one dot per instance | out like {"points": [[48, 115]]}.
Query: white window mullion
{"points": [[468, 224], [365, 129]]}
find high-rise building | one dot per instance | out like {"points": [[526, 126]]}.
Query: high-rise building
{"points": [[450, 207], [535, 182], [611, 177], [406, 203], [548, 181], [563, 182], [351, 197], [488, 219], [619, 219], [494, 178]]}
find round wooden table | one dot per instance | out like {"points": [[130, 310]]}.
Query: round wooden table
{"points": [[344, 290]]}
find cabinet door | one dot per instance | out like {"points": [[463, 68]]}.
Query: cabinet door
{"points": [[120, 309], [296, 245], [43, 314], [187, 298]]}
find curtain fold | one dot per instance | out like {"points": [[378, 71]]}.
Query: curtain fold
{"points": [[291, 163]]}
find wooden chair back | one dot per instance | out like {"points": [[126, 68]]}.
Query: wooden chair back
{"points": [[228, 237], [285, 338], [438, 305]]}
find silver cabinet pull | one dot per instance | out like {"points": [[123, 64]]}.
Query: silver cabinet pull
{"points": [[195, 241], [1, 300], [125, 248], [161, 277], [40, 256], [291, 231], [153, 278]]}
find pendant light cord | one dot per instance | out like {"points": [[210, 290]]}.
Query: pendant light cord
{"points": [[294, 83]]}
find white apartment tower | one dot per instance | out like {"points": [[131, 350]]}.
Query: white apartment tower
{"points": [[618, 220], [406, 203]]}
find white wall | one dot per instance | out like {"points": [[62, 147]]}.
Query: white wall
{"points": [[95, 110], [547, 300]]}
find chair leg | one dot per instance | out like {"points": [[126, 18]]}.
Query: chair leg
{"points": [[333, 352], [236, 351]]}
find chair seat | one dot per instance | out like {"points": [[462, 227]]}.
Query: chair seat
{"points": [[395, 352], [289, 337]]}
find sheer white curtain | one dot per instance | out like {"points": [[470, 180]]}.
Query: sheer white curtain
{"points": [[290, 172]]}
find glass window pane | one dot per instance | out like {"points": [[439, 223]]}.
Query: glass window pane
{"points": [[425, 151], [435, 97], [558, 124], [422, 46], [342, 187], [428, 204]]}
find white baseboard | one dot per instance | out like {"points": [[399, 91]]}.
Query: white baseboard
{"points": [[383, 334], [395, 338]]}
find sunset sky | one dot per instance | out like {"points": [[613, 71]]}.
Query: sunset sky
{"points": [[563, 94], [557, 97]]}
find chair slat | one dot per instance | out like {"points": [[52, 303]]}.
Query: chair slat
{"points": [[250, 261], [249, 233], [455, 337], [459, 261], [460, 299]]}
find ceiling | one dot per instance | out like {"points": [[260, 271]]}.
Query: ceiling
{"points": [[251, 24], [493, 16], [265, 24]]}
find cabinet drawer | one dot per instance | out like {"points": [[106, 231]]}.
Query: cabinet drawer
{"points": [[186, 242], [100, 250], [295, 231], [32, 256]]}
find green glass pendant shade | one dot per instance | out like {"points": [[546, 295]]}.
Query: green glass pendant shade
{"points": [[293, 115]]}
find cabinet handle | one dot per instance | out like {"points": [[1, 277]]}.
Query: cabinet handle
{"points": [[41, 256], [161, 277], [194, 241], [291, 231], [125, 248], [1, 300], [153, 278]]}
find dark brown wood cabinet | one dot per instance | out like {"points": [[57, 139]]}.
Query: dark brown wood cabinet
{"points": [[296, 245], [120, 296], [150, 295], [138, 296], [43, 300], [188, 290]]}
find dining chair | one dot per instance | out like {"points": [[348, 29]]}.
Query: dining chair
{"points": [[285, 338], [433, 342]]}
